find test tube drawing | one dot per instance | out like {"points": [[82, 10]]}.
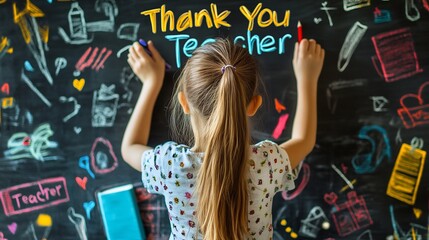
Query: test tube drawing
{"points": [[79, 222], [411, 10], [77, 22], [396, 55], [351, 41], [355, 4]]}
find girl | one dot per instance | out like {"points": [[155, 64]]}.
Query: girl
{"points": [[221, 187]]}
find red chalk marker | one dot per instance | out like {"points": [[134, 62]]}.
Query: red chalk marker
{"points": [[299, 28]]}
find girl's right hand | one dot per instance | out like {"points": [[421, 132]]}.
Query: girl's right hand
{"points": [[308, 61], [149, 69]]}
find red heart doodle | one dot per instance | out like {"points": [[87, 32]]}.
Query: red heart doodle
{"points": [[82, 182], [330, 198], [5, 88]]}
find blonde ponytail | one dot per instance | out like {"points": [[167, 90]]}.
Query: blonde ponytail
{"points": [[219, 97]]}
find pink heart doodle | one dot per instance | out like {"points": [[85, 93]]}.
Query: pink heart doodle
{"points": [[12, 227]]}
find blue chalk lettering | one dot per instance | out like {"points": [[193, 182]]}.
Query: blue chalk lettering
{"points": [[267, 44], [250, 40], [190, 45], [238, 38], [282, 43], [177, 39]]}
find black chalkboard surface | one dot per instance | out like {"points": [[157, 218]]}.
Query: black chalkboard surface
{"points": [[67, 93]]}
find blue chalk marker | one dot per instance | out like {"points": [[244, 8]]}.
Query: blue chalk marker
{"points": [[145, 46]]}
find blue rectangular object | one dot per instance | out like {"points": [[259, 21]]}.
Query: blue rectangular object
{"points": [[121, 217]]}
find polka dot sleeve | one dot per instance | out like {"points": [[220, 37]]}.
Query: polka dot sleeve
{"points": [[154, 167]]}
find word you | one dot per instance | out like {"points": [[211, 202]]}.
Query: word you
{"points": [[264, 18], [29, 197]]}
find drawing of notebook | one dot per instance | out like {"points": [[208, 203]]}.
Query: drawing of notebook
{"points": [[120, 214]]}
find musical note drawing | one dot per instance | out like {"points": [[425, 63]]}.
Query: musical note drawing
{"points": [[87, 59], [36, 146], [351, 41], [378, 103], [80, 29], [368, 162], [411, 10], [414, 109], [355, 4], [79, 222], [396, 54], [128, 31], [351, 215], [104, 106], [407, 173], [31, 32], [312, 224], [327, 9], [76, 107]]}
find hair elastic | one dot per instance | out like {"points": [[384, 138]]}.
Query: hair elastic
{"points": [[226, 66]]}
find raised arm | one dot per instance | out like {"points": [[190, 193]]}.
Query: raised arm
{"points": [[307, 64], [150, 70]]}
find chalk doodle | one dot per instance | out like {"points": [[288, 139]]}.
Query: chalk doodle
{"points": [[29, 197], [366, 235], [281, 125], [354, 36], [79, 84], [382, 16], [60, 63], [80, 29], [5, 47], [12, 227], [82, 182], [279, 107], [5, 88], [128, 31], [26, 20], [76, 107], [400, 234], [88, 206], [380, 149], [414, 109], [396, 54], [44, 221], [351, 215], [355, 4], [280, 222], [338, 90], [426, 4], [77, 130], [407, 173], [79, 223], [312, 224], [14, 116], [87, 59], [84, 163], [39, 148], [378, 103], [411, 10], [327, 9], [298, 190], [35, 90], [2, 236], [101, 162], [317, 20], [342, 176], [104, 106], [7, 102]]}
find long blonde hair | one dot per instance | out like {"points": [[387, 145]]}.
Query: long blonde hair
{"points": [[218, 101]]}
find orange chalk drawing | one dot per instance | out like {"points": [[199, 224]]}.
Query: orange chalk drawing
{"points": [[406, 175], [44, 33], [279, 106], [7, 102], [19, 18], [78, 84], [417, 212]]}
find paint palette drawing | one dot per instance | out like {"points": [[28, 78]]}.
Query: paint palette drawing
{"points": [[406, 175]]}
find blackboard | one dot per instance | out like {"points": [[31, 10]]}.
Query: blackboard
{"points": [[67, 94]]}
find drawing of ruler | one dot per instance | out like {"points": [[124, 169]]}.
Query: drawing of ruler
{"points": [[406, 175]]}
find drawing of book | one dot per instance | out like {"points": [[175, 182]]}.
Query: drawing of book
{"points": [[406, 175], [120, 214]]}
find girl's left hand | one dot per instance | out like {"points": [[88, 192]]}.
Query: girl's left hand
{"points": [[149, 69]]}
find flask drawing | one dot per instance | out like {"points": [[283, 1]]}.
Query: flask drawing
{"points": [[77, 22]]}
